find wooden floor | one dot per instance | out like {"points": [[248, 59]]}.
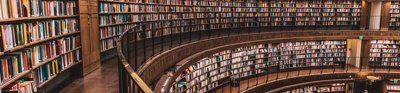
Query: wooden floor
{"points": [[102, 80]]}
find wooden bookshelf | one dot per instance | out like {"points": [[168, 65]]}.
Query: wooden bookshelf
{"points": [[221, 68], [166, 18], [43, 44]]}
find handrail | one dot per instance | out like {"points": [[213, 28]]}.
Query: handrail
{"points": [[143, 86]]}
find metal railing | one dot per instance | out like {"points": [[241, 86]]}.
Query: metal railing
{"points": [[145, 40]]}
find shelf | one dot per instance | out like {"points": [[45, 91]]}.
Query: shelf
{"points": [[17, 48], [66, 68], [51, 59], [35, 18], [108, 49], [103, 38], [15, 78]]}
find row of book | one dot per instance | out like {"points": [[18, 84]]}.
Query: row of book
{"points": [[110, 34], [385, 42], [54, 67], [105, 7], [13, 35], [384, 52], [246, 61], [22, 86], [325, 88], [394, 15], [393, 86], [224, 2], [35, 8], [107, 20]]}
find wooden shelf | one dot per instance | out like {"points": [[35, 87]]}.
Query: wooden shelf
{"points": [[35, 18], [108, 49], [15, 78], [24, 73], [54, 76], [51, 59], [103, 38], [17, 48]]}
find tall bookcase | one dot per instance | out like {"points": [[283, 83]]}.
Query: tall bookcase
{"points": [[40, 43], [221, 68]]}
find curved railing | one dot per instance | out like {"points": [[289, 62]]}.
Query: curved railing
{"points": [[129, 80], [146, 40]]}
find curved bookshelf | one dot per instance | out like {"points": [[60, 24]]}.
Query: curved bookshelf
{"points": [[164, 17], [226, 66], [219, 69]]}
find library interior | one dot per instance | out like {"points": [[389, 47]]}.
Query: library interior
{"points": [[199, 46]]}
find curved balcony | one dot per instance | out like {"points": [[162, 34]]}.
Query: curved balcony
{"points": [[145, 59]]}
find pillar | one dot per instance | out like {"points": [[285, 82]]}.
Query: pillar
{"points": [[375, 16]]}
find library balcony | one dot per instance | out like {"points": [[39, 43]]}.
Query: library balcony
{"points": [[266, 57]]}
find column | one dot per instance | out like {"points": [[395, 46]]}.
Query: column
{"points": [[375, 16]]}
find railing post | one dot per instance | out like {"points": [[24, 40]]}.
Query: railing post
{"points": [[122, 78], [135, 47], [180, 34], [127, 43], [170, 27], [162, 36], [152, 38], [144, 30], [190, 30]]}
